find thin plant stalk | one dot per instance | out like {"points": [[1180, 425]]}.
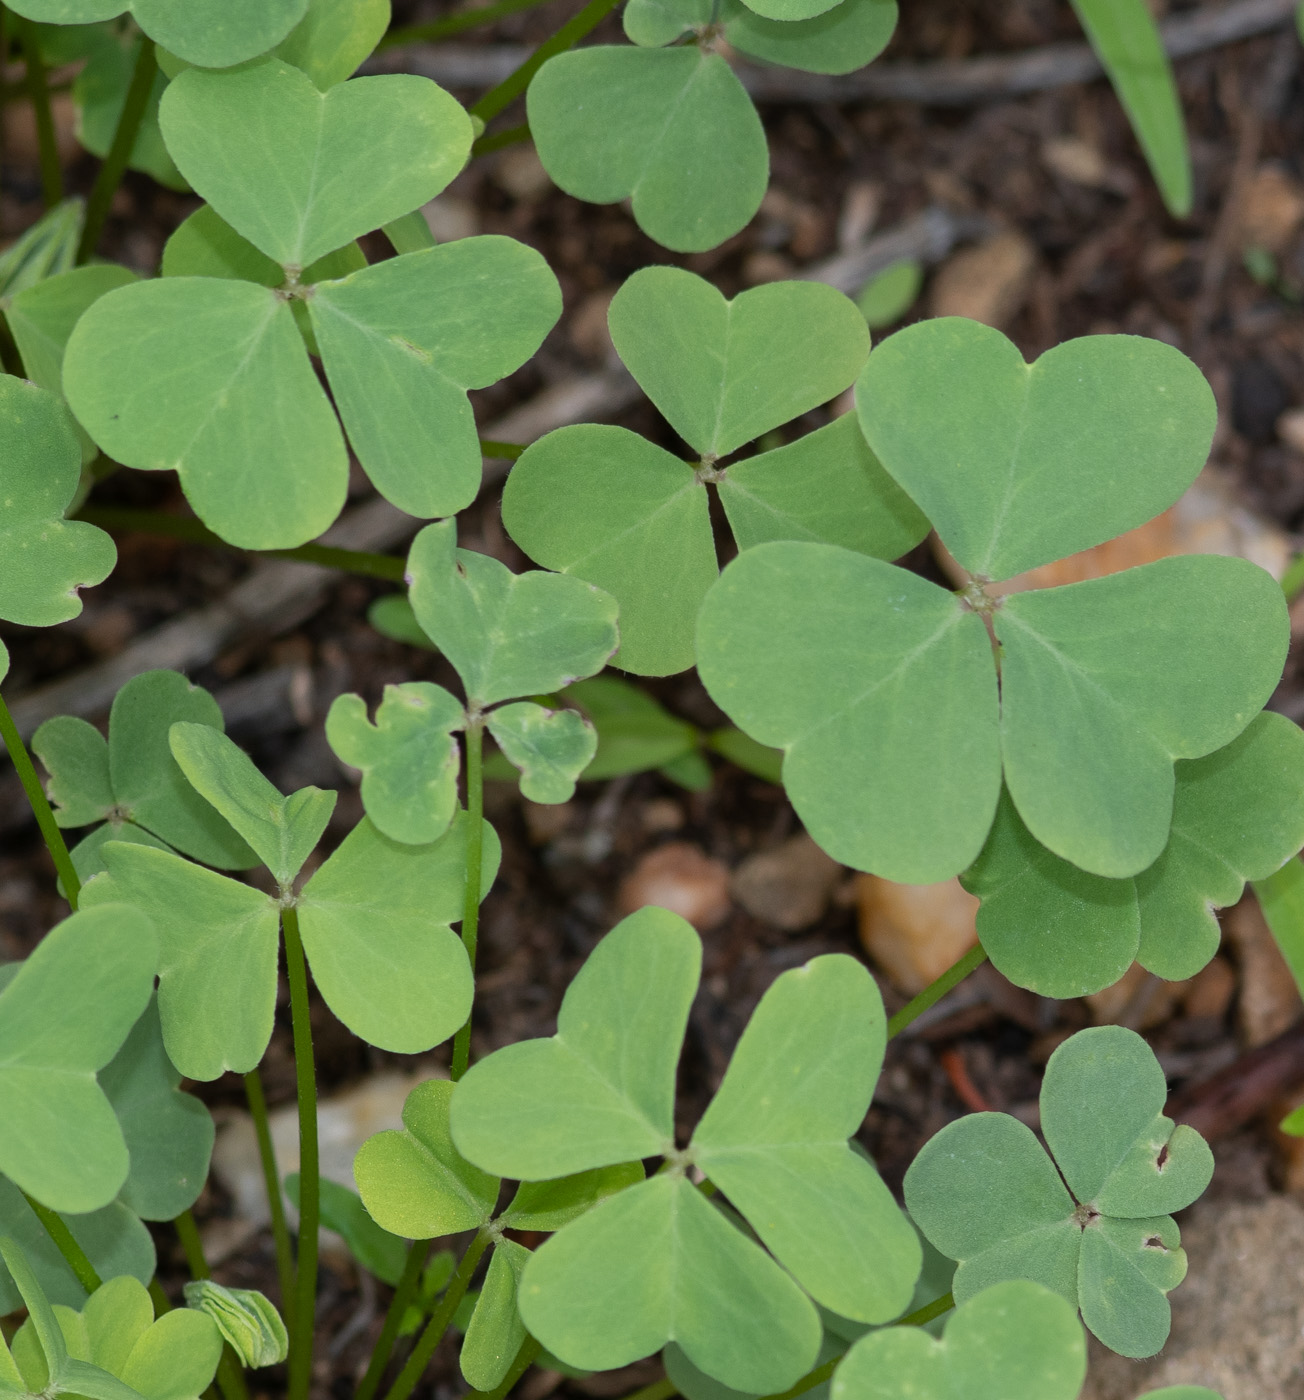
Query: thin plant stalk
{"points": [[498, 140], [936, 990], [439, 1320], [404, 1292], [658, 1390], [124, 142], [73, 1254], [474, 861], [40, 805], [457, 23], [253, 1082], [525, 1358], [230, 1374], [38, 89], [305, 1302], [512, 86]]}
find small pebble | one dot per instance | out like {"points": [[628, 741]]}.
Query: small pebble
{"points": [[682, 878]]}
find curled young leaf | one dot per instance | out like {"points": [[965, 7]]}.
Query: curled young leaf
{"points": [[246, 1318]]}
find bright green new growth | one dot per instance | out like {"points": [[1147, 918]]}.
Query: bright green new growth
{"points": [[506, 634], [171, 1358], [885, 298], [47, 558], [987, 1195], [1013, 1341], [1237, 816], [214, 33], [658, 1263], [245, 1318], [408, 757], [63, 1017], [607, 506], [1015, 466], [550, 747], [131, 783]]}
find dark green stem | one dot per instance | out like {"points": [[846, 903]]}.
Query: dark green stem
{"points": [[456, 23], [38, 89], [439, 1320], [404, 1292], [525, 1358], [186, 527], [928, 1312], [588, 19], [658, 1390], [474, 861], [40, 805], [253, 1082], [230, 1374], [74, 1255], [305, 1305], [508, 451], [936, 990], [124, 142], [496, 141]]}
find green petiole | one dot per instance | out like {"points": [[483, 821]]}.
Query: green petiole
{"points": [[73, 1254], [474, 861], [40, 805], [457, 23], [935, 991], [404, 1293], [257, 1100]]}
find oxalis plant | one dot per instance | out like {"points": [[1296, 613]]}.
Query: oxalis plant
{"points": [[1092, 760]]}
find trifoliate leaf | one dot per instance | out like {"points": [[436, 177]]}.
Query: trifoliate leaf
{"points": [[550, 747], [394, 143], [47, 558], [506, 634], [205, 245], [408, 757]]}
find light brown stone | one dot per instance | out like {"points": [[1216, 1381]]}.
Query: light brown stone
{"points": [[788, 887], [679, 877], [1271, 210], [915, 932], [989, 283]]}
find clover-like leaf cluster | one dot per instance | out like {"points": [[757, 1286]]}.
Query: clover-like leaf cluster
{"points": [[1092, 1219]]}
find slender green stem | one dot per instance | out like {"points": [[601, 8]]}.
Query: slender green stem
{"points": [[525, 1358], [936, 990], [439, 1320], [186, 527], [457, 23], [508, 136], [38, 89], [928, 1312], [40, 805], [404, 1292], [658, 1390], [1291, 581], [509, 451], [230, 1374], [74, 1255], [253, 1082], [162, 1303], [496, 99], [305, 1305], [124, 142], [474, 861]]}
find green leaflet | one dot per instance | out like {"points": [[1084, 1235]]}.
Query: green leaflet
{"points": [[173, 1358], [250, 401], [47, 558], [99, 92], [169, 1135], [658, 1263], [403, 341], [63, 1017], [205, 245], [342, 1210], [282, 830], [1014, 1341], [843, 38], [246, 1318], [608, 506], [1124, 656], [214, 33], [1237, 815], [409, 758], [113, 1239], [915, 697], [892, 745], [496, 1331], [132, 783], [250, 141], [1125, 36], [550, 747], [1018, 465], [218, 943], [654, 1263], [724, 372], [334, 37], [985, 1193], [671, 128], [506, 634]]}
